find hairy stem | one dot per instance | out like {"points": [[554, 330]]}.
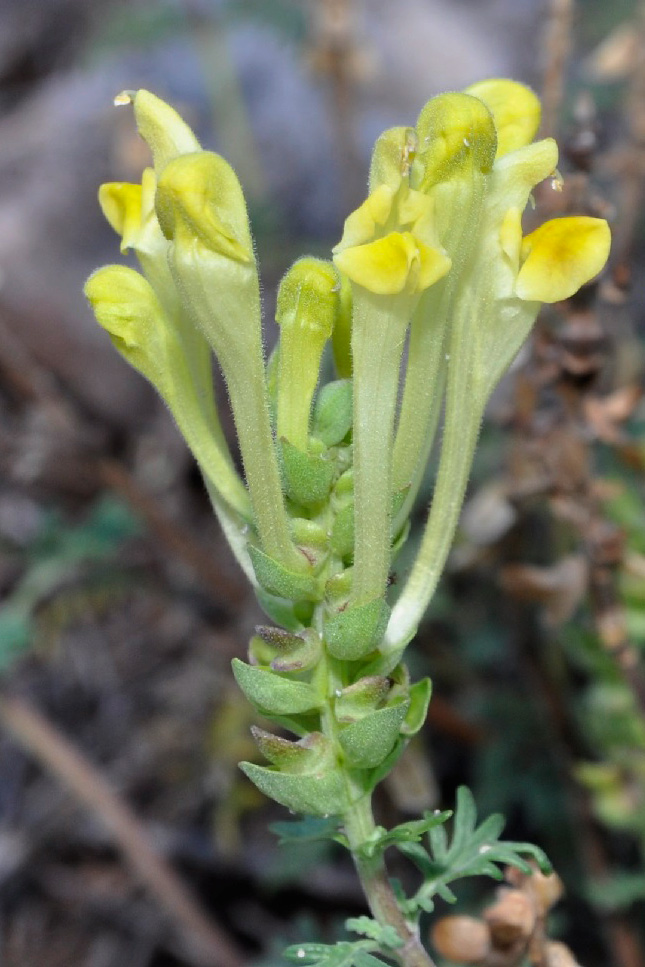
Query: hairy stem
{"points": [[359, 825]]}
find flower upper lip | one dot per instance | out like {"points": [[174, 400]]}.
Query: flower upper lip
{"points": [[389, 245]]}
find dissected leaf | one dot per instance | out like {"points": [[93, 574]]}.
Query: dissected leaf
{"points": [[384, 936], [471, 851], [342, 954], [411, 832]]}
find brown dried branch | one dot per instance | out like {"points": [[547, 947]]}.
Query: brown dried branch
{"points": [[205, 944], [335, 57], [632, 181], [556, 50]]}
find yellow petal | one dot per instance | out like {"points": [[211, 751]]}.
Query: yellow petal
{"points": [[433, 264], [392, 264], [121, 204], [516, 111], [510, 236], [416, 208], [518, 173], [560, 256], [362, 224]]}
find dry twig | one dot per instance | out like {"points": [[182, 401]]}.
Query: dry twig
{"points": [[556, 48], [204, 942]]}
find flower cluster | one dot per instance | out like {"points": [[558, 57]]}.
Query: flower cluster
{"points": [[435, 258]]}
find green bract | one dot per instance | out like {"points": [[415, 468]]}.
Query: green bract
{"points": [[435, 257]]}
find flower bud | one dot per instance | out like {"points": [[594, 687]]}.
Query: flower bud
{"points": [[511, 919], [307, 307], [547, 890], [461, 939]]}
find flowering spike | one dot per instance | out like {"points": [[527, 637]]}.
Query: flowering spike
{"points": [[202, 211], [199, 196], [434, 259]]}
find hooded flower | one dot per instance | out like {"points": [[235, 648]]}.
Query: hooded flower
{"points": [[389, 246]]}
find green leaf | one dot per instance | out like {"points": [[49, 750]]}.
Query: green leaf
{"points": [[270, 692], [279, 581], [278, 609], [363, 959], [367, 742], [312, 539], [321, 955], [342, 532], [354, 632], [285, 652], [301, 725], [318, 794]]}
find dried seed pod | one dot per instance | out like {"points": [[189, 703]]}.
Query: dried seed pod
{"points": [[547, 890], [511, 919], [558, 955], [462, 939]]}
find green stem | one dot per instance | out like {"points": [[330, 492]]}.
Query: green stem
{"points": [[359, 826]]}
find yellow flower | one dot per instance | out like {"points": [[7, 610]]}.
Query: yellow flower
{"points": [[388, 245]]}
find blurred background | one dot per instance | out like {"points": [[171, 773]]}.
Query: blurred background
{"points": [[120, 607]]}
